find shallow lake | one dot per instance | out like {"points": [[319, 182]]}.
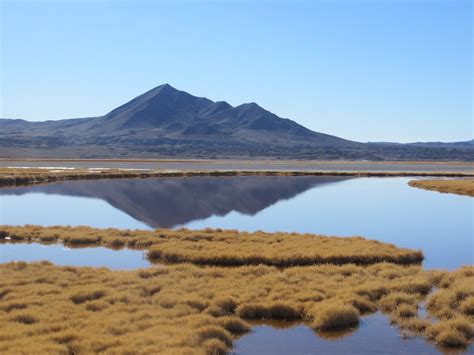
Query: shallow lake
{"points": [[387, 209]]}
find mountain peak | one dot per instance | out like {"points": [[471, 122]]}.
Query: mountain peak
{"points": [[162, 88]]}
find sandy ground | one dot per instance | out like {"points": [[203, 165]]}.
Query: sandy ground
{"points": [[202, 165]]}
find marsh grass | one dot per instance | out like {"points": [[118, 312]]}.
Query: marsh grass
{"points": [[192, 309], [326, 282], [456, 186], [223, 247]]}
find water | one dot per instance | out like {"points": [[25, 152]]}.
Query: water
{"points": [[374, 335], [60, 255], [387, 209]]}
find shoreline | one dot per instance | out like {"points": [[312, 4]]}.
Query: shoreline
{"points": [[237, 161], [20, 176]]}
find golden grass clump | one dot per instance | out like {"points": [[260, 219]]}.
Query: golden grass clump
{"points": [[453, 332], [457, 186], [395, 300], [275, 310], [234, 324], [467, 306], [224, 247], [328, 316]]}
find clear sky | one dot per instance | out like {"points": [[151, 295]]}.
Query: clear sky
{"points": [[377, 70]]}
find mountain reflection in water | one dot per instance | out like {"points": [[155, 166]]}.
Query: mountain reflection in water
{"points": [[170, 202]]}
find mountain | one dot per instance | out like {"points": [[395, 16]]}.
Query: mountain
{"points": [[167, 203], [464, 144], [166, 122]]}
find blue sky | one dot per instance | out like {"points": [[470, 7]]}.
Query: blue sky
{"points": [[364, 70]]}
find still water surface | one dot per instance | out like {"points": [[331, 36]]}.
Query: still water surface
{"points": [[123, 259], [374, 335], [387, 209]]}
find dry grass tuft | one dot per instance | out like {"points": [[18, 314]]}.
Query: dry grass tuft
{"points": [[334, 316], [406, 311], [214, 332], [453, 332], [451, 338], [467, 306], [24, 318], [85, 296], [234, 324], [392, 301]]}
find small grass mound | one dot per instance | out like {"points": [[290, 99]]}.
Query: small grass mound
{"points": [[277, 310], [406, 311], [334, 316], [392, 301], [214, 332], [467, 306], [451, 338], [234, 324]]}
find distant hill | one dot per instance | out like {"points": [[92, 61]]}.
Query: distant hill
{"points": [[465, 144], [166, 122]]}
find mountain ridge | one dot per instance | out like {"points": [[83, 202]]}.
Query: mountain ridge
{"points": [[167, 122]]}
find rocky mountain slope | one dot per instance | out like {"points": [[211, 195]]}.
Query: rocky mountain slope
{"points": [[166, 122]]}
